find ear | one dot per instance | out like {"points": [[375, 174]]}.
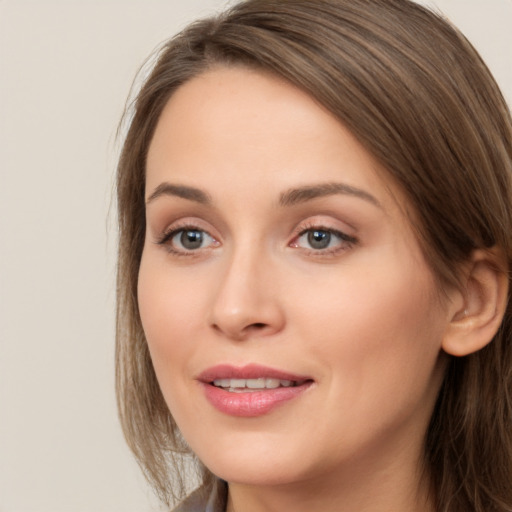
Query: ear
{"points": [[478, 310]]}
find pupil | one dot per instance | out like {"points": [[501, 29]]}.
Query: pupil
{"points": [[319, 239], [191, 239]]}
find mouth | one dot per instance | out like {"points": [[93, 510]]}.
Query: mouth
{"points": [[251, 390], [255, 385]]}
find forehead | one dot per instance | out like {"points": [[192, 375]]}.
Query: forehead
{"points": [[242, 106], [242, 128]]}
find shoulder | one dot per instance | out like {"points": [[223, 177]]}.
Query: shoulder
{"points": [[206, 500]]}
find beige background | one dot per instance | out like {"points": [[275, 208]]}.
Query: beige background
{"points": [[66, 67]]}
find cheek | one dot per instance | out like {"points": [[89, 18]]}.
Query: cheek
{"points": [[170, 314], [171, 318], [374, 339], [376, 332]]}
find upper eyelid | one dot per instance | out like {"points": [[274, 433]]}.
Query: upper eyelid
{"points": [[327, 225], [183, 224], [166, 216]]}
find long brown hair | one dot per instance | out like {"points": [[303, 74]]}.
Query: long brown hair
{"points": [[417, 95]]}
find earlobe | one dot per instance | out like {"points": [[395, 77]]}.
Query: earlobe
{"points": [[484, 300]]}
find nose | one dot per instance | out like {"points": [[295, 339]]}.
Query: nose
{"points": [[246, 303]]}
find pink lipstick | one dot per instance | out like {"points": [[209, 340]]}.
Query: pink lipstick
{"points": [[251, 390]]}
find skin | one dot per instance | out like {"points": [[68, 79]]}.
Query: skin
{"points": [[363, 318]]}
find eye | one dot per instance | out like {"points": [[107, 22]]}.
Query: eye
{"points": [[187, 239], [318, 239], [323, 239], [191, 239]]}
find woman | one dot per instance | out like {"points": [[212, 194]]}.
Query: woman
{"points": [[315, 239]]}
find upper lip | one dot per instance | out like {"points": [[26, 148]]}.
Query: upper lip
{"points": [[250, 371]]}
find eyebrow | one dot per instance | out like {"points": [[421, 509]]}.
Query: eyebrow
{"points": [[288, 198], [307, 193], [185, 192]]}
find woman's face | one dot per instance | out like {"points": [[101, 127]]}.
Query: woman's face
{"points": [[293, 323]]}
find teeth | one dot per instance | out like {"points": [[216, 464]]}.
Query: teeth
{"points": [[237, 385], [254, 383], [272, 383]]}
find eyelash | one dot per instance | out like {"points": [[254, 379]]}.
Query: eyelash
{"points": [[346, 241]]}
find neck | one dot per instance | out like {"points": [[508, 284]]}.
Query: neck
{"points": [[343, 498], [395, 487]]}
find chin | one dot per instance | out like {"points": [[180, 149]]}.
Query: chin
{"points": [[264, 474], [258, 464]]}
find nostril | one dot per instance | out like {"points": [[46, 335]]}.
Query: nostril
{"points": [[258, 325]]}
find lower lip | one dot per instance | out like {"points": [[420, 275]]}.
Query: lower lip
{"points": [[253, 403]]}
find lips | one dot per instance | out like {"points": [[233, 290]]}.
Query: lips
{"points": [[251, 390]]}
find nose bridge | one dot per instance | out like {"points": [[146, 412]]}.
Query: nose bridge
{"points": [[246, 303]]}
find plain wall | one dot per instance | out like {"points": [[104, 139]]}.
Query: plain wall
{"points": [[66, 67]]}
